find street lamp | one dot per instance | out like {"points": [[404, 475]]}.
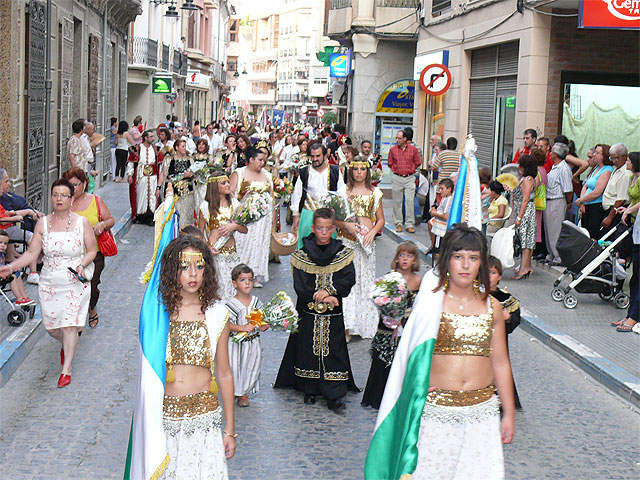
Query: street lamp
{"points": [[172, 13]]}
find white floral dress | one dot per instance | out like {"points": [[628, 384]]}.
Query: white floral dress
{"points": [[64, 300]]}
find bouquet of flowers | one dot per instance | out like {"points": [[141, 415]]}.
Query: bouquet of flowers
{"points": [[376, 175], [390, 295], [283, 189], [279, 313], [253, 208], [296, 162], [218, 163], [344, 213]]}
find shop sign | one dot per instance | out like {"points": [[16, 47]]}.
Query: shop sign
{"points": [[340, 65], [618, 14], [161, 85], [397, 98], [422, 61], [195, 79]]}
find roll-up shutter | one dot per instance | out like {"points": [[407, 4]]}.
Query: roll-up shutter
{"points": [[494, 72]]}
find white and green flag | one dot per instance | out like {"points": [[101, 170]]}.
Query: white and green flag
{"points": [[393, 451]]}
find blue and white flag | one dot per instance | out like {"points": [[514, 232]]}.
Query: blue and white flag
{"points": [[467, 204], [147, 455]]}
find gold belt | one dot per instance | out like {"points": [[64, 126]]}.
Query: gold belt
{"points": [[319, 307], [460, 398], [230, 250], [147, 170], [189, 406]]}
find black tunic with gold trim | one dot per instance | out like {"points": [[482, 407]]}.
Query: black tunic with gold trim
{"points": [[316, 360]]}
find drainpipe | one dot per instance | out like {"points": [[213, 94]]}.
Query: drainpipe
{"points": [[47, 110], [103, 98]]}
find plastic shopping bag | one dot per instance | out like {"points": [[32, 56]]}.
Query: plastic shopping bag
{"points": [[502, 246]]}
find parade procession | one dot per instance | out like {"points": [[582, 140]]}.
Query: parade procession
{"points": [[320, 239]]}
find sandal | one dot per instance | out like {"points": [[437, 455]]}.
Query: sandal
{"points": [[624, 328], [617, 323], [93, 320]]}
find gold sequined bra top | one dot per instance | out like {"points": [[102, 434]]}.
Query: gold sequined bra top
{"points": [[188, 344], [363, 205], [465, 334], [222, 218]]}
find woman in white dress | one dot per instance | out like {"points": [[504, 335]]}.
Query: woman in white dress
{"points": [[67, 241], [197, 444], [360, 314], [253, 248], [216, 212]]}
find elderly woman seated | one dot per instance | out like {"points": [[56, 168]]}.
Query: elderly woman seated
{"points": [[499, 209], [14, 208]]}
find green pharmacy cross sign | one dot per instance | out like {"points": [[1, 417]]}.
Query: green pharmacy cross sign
{"points": [[162, 85]]}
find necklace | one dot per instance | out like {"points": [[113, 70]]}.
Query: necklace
{"points": [[461, 306], [68, 220]]}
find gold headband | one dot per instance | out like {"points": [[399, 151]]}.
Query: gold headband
{"points": [[359, 164], [220, 178], [191, 258]]}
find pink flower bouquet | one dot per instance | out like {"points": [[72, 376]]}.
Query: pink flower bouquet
{"points": [[253, 208], [279, 313], [390, 296]]}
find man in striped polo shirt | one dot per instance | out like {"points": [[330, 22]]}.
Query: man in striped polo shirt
{"points": [[447, 161]]}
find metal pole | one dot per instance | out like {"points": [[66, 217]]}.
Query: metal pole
{"points": [[47, 110]]}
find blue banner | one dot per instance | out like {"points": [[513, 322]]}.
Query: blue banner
{"points": [[278, 117]]}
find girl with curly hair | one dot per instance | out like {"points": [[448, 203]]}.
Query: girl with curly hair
{"points": [[197, 362]]}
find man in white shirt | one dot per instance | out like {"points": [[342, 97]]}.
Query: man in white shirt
{"points": [[314, 183], [280, 143], [287, 151], [89, 128], [214, 138], [616, 193], [184, 133], [559, 197]]}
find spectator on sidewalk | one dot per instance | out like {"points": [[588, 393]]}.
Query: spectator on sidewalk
{"points": [[633, 164], [627, 324], [529, 137], [559, 197], [16, 285], [112, 145], [447, 162], [403, 161], [543, 144], [540, 252], [440, 215], [75, 148], [497, 206], [13, 202], [616, 193], [590, 200]]}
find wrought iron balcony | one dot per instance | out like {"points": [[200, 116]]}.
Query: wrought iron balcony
{"points": [[166, 51], [398, 3], [179, 63], [335, 4], [143, 51]]}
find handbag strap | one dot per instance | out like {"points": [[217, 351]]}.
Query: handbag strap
{"points": [[98, 207]]}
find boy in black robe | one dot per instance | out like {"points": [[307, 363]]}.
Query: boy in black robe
{"points": [[316, 360]]}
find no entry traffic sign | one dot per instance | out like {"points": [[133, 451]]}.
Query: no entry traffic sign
{"points": [[435, 79]]}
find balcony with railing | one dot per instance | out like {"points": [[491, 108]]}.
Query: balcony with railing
{"points": [[166, 61], [143, 52], [179, 63], [292, 97]]}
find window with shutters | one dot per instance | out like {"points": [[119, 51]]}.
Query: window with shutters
{"points": [[494, 75]]}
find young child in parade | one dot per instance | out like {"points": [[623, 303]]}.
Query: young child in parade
{"points": [[245, 357], [383, 347], [510, 306], [440, 215], [17, 287]]}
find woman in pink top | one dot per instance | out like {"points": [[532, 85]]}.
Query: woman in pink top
{"points": [[136, 131]]}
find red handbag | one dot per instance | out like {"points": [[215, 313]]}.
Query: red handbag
{"points": [[106, 241]]}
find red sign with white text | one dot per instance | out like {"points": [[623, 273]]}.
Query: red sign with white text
{"points": [[615, 14]]}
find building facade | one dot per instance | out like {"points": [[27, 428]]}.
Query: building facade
{"points": [[534, 68], [61, 63], [188, 53], [375, 98]]}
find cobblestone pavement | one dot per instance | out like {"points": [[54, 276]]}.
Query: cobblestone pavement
{"points": [[570, 427]]}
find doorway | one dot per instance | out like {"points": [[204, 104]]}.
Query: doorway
{"points": [[503, 138]]}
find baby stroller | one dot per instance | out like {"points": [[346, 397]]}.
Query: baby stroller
{"points": [[591, 267], [18, 314]]}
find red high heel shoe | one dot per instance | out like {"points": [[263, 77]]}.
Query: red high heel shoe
{"points": [[62, 356], [64, 380]]}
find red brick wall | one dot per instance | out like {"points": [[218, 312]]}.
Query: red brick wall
{"points": [[585, 50]]}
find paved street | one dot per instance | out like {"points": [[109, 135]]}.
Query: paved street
{"points": [[571, 427]]}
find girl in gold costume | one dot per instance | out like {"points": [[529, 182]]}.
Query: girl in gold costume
{"points": [[197, 361], [216, 212], [360, 314]]}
